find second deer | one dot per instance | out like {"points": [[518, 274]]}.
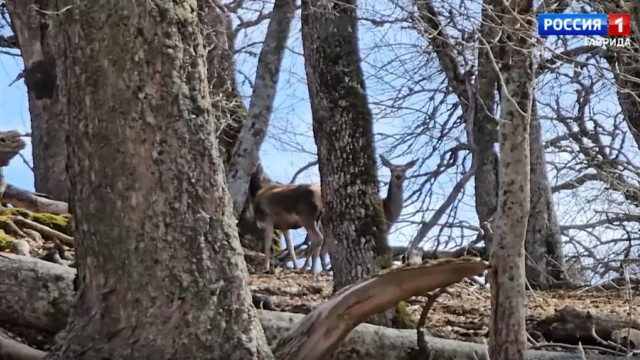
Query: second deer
{"points": [[392, 204]]}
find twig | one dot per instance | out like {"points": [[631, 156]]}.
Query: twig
{"points": [[303, 169], [44, 230], [431, 300]]}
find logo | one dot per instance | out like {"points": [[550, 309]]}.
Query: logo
{"points": [[584, 24], [619, 25]]}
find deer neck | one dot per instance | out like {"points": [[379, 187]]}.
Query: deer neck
{"points": [[393, 203]]}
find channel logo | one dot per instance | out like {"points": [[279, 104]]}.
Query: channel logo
{"points": [[584, 24]]}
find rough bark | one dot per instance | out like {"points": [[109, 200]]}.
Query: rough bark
{"points": [[254, 129], [10, 145], [354, 222], [32, 26], [545, 256], [485, 127], [507, 276], [219, 42], [626, 68], [149, 203]]}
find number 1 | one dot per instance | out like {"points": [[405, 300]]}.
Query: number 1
{"points": [[619, 21]]}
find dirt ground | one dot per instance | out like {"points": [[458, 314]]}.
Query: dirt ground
{"points": [[461, 314]]}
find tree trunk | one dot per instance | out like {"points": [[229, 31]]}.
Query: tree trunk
{"points": [[354, 222], [485, 127], [626, 67], [545, 256], [221, 73], [246, 149], [31, 25], [150, 207], [507, 276]]}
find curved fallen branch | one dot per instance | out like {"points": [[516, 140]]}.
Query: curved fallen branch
{"points": [[325, 327], [11, 349]]}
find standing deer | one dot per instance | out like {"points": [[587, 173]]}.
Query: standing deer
{"points": [[392, 204], [285, 207]]}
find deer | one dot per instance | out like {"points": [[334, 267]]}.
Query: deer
{"points": [[287, 207], [392, 204]]}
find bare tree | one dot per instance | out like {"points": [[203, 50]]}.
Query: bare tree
{"points": [[507, 276], [31, 23], [150, 207], [354, 221]]}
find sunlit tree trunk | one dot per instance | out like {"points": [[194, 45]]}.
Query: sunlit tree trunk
{"points": [[507, 275]]}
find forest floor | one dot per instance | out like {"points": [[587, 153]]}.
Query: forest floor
{"points": [[461, 314]]}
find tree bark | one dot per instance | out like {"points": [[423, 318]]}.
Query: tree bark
{"points": [[626, 68], [354, 222], [507, 276], [254, 129], [221, 73], [31, 24], [485, 126], [149, 203], [545, 256]]}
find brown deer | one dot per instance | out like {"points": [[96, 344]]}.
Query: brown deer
{"points": [[284, 207], [392, 204]]}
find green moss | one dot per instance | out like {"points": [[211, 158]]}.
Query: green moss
{"points": [[6, 241], [402, 317], [381, 249], [276, 247], [60, 223]]}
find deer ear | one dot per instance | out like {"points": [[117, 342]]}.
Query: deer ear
{"points": [[385, 162], [410, 164]]}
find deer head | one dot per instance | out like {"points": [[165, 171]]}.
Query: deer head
{"points": [[397, 171]]}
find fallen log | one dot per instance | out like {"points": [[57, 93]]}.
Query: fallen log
{"points": [[11, 349], [570, 325], [40, 294], [24, 199]]}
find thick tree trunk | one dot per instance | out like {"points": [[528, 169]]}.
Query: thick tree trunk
{"points": [[545, 256], [31, 24], [254, 129], [354, 222], [159, 261], [507, 276]]}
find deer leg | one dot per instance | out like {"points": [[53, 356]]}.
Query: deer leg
{"points": [[316, 243], [292, 251], [268, 241], [308, 252]]}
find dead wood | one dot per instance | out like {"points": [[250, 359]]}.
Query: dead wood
{"points": [[571, 325], [21, 198], [43, 230], [40, 294], [326, 326], [479, 251], [35, 293], [11, 144], [12, 350]]}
